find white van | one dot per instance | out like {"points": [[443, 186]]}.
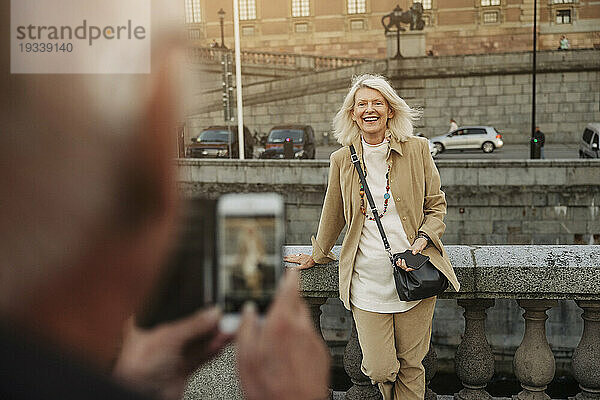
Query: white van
{"points": [[589, 144]]}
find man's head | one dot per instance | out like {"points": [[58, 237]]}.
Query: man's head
{"points": [[88, 204]]}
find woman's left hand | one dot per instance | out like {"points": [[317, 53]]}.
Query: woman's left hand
{"points": [[419, 245], [305, 260]]}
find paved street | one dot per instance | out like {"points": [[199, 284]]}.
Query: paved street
{"points": [[508, 152]]}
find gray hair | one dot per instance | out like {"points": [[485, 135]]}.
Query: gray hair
{"points": [[400, 126]]}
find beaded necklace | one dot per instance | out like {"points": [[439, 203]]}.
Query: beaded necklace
{"points": [[386, 196]]}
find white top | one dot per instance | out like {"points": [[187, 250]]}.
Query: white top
{"points": [[372, 287]]}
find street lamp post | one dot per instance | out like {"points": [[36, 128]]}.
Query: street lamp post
{"points": [[532, 143], [397, 13], [222, 19]]}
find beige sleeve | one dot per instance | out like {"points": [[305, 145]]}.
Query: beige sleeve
{"points": [[434, 206], [332, 218]]}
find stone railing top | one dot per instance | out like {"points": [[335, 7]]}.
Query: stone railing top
{"points": [[301, 61], [453, 172], [513, 272]]}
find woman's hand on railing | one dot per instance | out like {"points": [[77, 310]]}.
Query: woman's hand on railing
{"points": [[305, 261]]}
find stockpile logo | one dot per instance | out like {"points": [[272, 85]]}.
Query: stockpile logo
{"points": [[80, 36]]}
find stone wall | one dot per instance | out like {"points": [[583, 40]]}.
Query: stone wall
{"points": [[489, 202], [492, 89]]}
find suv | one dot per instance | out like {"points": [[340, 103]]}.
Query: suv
{"points": [[486, 138], [588, 146], [215, 142], [302, 136]]}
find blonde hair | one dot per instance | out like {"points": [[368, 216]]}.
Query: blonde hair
{"points": [[400, 126]]}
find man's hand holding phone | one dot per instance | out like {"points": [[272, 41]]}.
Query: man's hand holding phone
{"points": [[284, 358], [158, 361]]}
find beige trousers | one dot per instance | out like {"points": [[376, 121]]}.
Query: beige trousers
{"points": [[393, 347]]}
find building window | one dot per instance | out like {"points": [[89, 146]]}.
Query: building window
{"points": [[426, 4], [486, 3], [247, 9], [357, 25], [192, 12], [357, 6], [562, 1], [563, 16], [300, 8], [490, 17], [427, 19]]}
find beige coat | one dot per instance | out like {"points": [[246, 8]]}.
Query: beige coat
{"points": [[421, 205]]}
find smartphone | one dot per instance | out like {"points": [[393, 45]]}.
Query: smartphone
{"points": [[414, 261], [251, 232], [187, 282]]}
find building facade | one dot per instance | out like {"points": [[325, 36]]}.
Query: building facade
{"points": [[353, 28]]}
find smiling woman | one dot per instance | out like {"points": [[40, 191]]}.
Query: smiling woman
{"points": [[401, 175], [371, 113]]}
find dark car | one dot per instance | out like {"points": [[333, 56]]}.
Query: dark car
{"points": [[302, 136], [220, 142]]}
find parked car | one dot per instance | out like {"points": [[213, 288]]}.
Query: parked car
{"points": [[486, 138], [303, 138], [220, 142], [589, 143]]}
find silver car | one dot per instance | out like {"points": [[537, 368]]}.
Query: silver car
{"points": [[590, 141], [486, 138]]}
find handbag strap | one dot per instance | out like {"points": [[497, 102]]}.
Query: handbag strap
{"points": [[363, 180]]}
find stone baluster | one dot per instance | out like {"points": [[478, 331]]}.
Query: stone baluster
{"points": [[430, 364], [362, 388], [314, 304], [586, 358], [474, 360], [534, 362]]}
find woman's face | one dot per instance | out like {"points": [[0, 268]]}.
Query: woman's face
{"points": [[371, 112]]}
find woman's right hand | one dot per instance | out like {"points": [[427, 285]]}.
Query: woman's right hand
{"points": [[305, 261], [402, 264]]}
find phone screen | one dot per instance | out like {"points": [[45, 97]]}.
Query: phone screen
{"points": [[248, 262], [250, 239]]}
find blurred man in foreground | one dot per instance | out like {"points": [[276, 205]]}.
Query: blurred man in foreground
{"points": [[88, 213]]}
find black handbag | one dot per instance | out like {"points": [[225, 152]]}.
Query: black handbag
{"points": [[426, 280]]}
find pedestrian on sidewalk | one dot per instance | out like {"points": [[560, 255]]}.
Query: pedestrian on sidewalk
{"points": [[541, 139], [393, 335], [453, 125]]}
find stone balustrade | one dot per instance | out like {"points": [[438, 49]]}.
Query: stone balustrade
{"points": [[290, 60], [536, 276]]}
